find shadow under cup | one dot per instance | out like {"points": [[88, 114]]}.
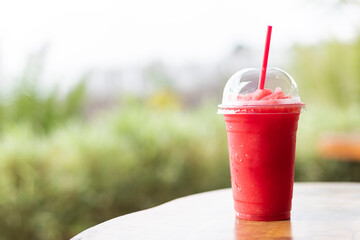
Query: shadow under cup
{"points": [[262, 145]]}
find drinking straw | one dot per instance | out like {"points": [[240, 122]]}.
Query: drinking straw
{"points": [[265, 59]]}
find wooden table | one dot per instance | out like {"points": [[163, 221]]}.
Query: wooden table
{"points": [[320, 211]]}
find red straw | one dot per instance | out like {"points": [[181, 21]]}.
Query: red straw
{"points": [[265, 60]]}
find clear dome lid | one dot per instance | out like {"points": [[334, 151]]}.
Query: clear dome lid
{"points": [[242, 89]]}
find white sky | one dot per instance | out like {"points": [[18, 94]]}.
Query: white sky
{"points": [[86, 34]]}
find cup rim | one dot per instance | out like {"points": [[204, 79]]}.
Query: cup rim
{"points": [[253, 109]]}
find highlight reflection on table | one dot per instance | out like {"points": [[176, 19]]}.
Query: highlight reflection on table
{"points": [[262, 230]]}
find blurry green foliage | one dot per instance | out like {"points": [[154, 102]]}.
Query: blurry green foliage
{"points": [[328, 75], [43, 111], [61, 174], [54, 186], [329, 72], [28, 103], [317, 120]]}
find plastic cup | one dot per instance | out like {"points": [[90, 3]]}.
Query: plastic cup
{"points": [[262, 141]]}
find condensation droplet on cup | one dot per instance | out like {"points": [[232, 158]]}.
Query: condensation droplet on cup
{"points": [[230, 127], [232, 146], [241, 145], [237, 187], [246, 155]]}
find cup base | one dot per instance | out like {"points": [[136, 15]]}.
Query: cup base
{"points": [[253, 217]]}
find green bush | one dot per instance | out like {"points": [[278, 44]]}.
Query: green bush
{"points": [[328, 75], [328, 72], [314, 124], [56, 185], [40, 109]]}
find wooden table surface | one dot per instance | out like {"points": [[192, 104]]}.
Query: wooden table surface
{"points": [[320, 211]]}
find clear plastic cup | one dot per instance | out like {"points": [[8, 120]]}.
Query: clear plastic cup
{"points": [[262, 139]]}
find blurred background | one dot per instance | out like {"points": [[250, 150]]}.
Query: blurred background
{"points": [[109, 107]]}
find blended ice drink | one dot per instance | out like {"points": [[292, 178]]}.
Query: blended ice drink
{"points": [[261, 125], [261, 111]]}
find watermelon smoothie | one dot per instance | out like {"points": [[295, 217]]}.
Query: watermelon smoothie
{"points": [[261, 132]]}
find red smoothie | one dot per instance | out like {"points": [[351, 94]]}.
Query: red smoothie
{"points": [[262, 140]]}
